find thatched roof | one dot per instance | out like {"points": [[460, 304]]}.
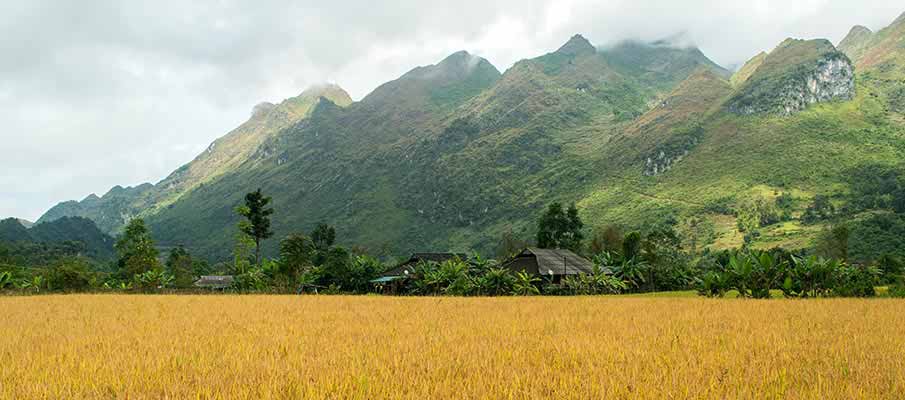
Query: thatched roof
{"points": [[215, 281], [552, 262]]}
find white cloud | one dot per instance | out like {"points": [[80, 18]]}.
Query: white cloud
{"points": [[96, 93]]}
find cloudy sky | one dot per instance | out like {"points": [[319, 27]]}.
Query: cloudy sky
{"points": [[99, 93]]}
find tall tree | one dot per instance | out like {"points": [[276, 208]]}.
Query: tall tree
{"points": [[606, 239], [509, 244], [833, 242], [323, 237], [181, 266], [296, 253], [631, 246], [257, 213], [136, 250], [560, 229]]}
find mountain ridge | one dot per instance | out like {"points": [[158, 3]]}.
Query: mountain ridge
{"points": [[452, 155]]}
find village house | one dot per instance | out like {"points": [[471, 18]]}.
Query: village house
{"points": [[552, 264], [215, 282], [390, 280]]}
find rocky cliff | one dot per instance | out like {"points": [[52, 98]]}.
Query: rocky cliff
{"points": [[795, 75]]}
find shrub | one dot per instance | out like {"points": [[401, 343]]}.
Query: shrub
{"points": [[495, 282], [855, 281], [597, 282], [68, 275]]}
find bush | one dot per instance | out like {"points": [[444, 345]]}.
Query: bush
{"points": [[155, 279], [855, 281], [597, 282], [755, 273], [897, 289], [68, 276]]}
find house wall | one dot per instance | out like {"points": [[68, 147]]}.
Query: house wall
{"points": [[527, 264]]}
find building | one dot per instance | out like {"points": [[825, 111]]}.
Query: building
{"points": [[552, 264], [215, 282], [390, 280]]}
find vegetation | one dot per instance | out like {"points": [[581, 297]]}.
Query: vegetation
{"points": [[136, 250], [465, 159], [560, 229], [257, 215], [756, 273]]}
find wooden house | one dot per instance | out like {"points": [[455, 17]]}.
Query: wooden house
{"points": [[552, 264]]}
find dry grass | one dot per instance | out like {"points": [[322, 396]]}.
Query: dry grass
{"points": [[110, 346]]}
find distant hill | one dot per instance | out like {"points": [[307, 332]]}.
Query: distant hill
{"points": [[641, 135], [12, 230], [91, 240]]}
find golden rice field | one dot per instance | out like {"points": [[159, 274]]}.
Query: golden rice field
{"points": [[263, 347]]}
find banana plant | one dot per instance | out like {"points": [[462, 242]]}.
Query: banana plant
{"points": [[714, 284], [525, 284], [34, 285], [740, 270], [6, 279]]}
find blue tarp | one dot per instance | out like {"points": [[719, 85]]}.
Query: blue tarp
{"points": [[385, 279]]}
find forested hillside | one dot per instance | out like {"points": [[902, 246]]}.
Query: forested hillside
{"points": [[453, 156]]}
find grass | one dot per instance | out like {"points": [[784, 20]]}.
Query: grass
{"points": [[113, 346]]}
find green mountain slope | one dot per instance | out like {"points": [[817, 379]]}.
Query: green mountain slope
{"points": [[450, 156], [856, 42], [115, 208], [11, 230], [739, 159], [744, 73], [92, 242], [451, 176]]}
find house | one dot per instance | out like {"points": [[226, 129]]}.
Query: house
{"points": [[552, 264], [215, 282], [391, 279]]}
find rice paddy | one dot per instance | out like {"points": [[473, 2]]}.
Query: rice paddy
{"points": [[369, 347]]}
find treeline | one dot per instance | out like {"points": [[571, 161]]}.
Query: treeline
{"points": [[632, 262]]}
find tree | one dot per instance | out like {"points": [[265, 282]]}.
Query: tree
{"points": [[68, 275], [833, 243], [509, 244], [336, 268], [608, 239], [821, 208], [296, 253], [181, 267], [323, 237], [257, 214], [136, 250], [631, 246], [559, 229]]}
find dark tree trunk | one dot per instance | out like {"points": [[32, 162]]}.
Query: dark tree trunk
{"points": [[257, 252]]}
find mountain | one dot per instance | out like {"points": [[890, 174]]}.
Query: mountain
{"points": [[881, 58], [11, 230], [109, 211], [881, 51], [856, 42], [452, 155], [115, 208], [744, 73], [92, 242], [793, 76]]}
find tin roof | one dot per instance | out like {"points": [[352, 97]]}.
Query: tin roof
{"points": [[215, 281]]}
